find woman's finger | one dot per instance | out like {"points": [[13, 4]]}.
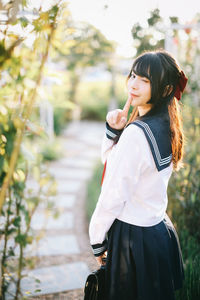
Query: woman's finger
{"points": [[127, 106], [116, 117], [111, 116]]}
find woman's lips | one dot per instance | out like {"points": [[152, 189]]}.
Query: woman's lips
{"points": [[134, 95]]}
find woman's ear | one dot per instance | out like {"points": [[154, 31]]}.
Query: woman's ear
{"points": [[167, 91]]}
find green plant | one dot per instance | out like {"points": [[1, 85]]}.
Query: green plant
{"points": [[22, 66], [16, 232], [184, 190], [51, 151], [184, 203], [94, 97], [61, 118], [93, 191], [191, 257]]}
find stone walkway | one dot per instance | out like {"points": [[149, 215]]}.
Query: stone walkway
{"points": [[63, 255]]}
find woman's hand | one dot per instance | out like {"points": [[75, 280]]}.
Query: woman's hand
{"points": [[117, 118], [101, 259]]}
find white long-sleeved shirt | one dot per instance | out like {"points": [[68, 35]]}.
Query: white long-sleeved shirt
{"points": [[133, 191]]}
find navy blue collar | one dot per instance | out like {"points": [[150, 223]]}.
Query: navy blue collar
{"points": [[157, 131]]}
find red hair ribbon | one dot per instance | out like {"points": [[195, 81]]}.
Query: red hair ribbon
{"points": [[104, 170], [180, 86]]}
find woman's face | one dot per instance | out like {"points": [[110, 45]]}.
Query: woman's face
{"points": [[139, 88]]}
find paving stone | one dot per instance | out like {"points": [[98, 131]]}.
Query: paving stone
{"points": [[54, 245], [41, 221], [92, 139], [69, 186], [49, 245], [64, 201], [76, 162], [82, 128], [54, 279], [33, 187], [59, 201], [92, 154], [69, 173], [73, 146]]}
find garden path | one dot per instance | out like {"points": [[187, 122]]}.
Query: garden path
{"points": [[64, 257]]}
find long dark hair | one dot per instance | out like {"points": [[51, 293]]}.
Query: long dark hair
{"points": [[163, 72]]}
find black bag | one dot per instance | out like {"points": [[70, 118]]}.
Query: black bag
{"points": [[95, 285]]}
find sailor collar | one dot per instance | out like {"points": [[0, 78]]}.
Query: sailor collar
{"points": [[157, 132]]}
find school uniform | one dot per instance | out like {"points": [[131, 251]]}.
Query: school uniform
{"points": [[144, 259]]}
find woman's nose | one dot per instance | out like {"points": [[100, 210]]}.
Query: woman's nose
{"points": [[134, 83]]}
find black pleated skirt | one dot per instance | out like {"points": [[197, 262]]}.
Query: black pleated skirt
{"points": [[143, 263]]}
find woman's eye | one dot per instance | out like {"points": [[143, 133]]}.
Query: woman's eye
{"points": [[145, 80], [132, 75]]}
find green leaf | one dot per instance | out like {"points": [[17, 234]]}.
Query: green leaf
{"points": [[11, 252], [9, 212], [10, 231], [24, 21], [17, 221], [21, 239]]}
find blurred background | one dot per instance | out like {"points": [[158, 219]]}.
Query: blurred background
{"points": [[63, 66]]}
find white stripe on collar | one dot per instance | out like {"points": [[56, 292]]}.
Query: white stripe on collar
{"points": [[162, 162]]}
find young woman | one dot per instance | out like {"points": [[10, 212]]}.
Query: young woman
{"points": [[130, 224]]}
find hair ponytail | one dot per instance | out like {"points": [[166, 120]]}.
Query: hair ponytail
{"points": [[177, 135]]}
